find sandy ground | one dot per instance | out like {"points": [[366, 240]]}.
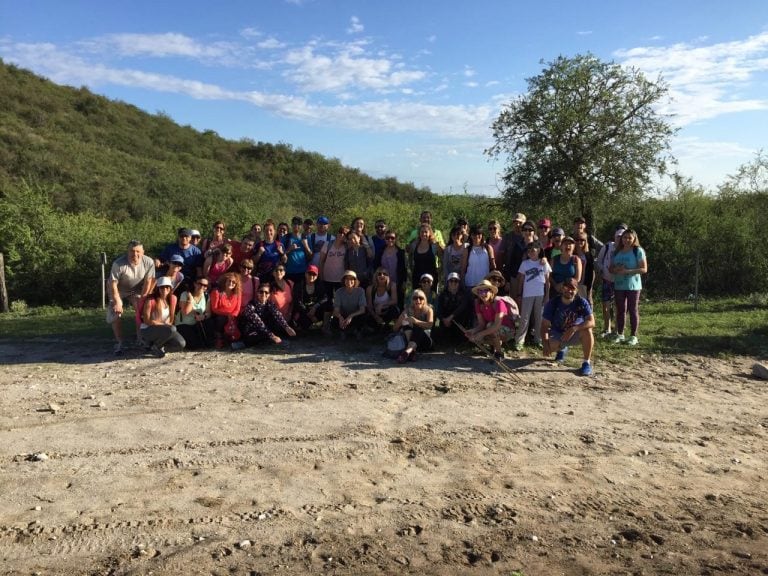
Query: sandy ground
{"points": [[328, 459]]}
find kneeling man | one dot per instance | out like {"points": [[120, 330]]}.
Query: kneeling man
{"points": [[568, 320]]}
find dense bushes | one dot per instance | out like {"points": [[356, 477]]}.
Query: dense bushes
{"points": [[81, 175]]}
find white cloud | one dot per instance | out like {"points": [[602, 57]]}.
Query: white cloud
{"points": [[271, 43], [316, 72], [469, 72], [161, 45], [584, 32], [706, 80], [448, 121], [355, 26]]}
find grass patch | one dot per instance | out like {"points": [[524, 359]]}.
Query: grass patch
{"points": [[720, 328], [54, 322]]}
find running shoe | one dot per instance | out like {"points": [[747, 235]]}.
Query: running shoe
{"points": [[157, 351], [560, 356], [119, 349], [618, 339], [631, 341], [586, 369]]}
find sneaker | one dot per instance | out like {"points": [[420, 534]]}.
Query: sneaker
{"points": [[119, 349], [560, 356], [617, 338], [631, 341], [518, 347], [586, 369], [403, 357], [606, 334], [158, 351]]}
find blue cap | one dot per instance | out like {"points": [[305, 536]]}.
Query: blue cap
{"points": [[177, 259], [323, 220]]}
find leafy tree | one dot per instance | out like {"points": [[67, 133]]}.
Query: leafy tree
{"points": [[585, 135]]}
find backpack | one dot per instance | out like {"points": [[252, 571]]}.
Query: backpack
{"points": [[396, 343], [513, 313]]}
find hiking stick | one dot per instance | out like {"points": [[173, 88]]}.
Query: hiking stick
{"points": [[488, 352]]}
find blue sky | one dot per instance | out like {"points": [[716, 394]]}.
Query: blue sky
{"points": [[400, 88]]}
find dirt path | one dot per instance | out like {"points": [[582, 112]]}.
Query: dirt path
{"points": [[329, 459]]}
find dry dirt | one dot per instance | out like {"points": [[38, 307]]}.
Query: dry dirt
{"points": [[328, 459]]}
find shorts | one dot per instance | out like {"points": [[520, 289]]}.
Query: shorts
{"points": [[607, 292], [128, 302], [558, 336]]}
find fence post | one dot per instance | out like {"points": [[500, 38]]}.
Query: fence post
{"points": [[3, 290], [696, 283], [103, 258]]}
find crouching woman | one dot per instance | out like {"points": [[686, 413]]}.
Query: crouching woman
{"points": [[493, 322], [416, 323], [157, 329]]}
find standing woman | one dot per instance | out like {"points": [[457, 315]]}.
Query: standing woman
{"points": [[217, 239], [358, 227], [478, 259], [332, 259], [225, 306], [416, 323], [627, 266], [453, 255], [157, 329], [495, 241], [269, 253], [425, 256], [588, 266], [194, 310], [392, 258], [564, 266], [357, 259], [218, 262]]}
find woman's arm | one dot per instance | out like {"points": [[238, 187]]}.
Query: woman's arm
{"points": [[578, 265], [491, 257]]}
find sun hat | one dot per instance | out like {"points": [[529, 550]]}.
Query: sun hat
{"points": [[350, 273], [519, 217], [496, 274], [164, 281], [483, 285], [195, 233], [426, 277], [453, 276]]}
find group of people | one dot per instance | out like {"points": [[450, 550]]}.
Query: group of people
{"points": [[534, 283]]}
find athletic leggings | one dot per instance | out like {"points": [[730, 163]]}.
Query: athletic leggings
{"points": [[627, 301]]}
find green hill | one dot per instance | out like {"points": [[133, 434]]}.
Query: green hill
{"points": [[114, 160]]}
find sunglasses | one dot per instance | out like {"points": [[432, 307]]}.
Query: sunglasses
{"points": [[483, 291], [453, 280], [382, 274], [203, 284], [496, 280], [218, 228], [263, 292], [418, 297]]}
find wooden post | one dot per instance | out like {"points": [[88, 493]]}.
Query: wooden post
{"points": [[103, 259], [3, 290]]}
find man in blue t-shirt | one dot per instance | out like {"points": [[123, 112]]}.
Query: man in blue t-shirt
{"points": [[568, 320]]}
